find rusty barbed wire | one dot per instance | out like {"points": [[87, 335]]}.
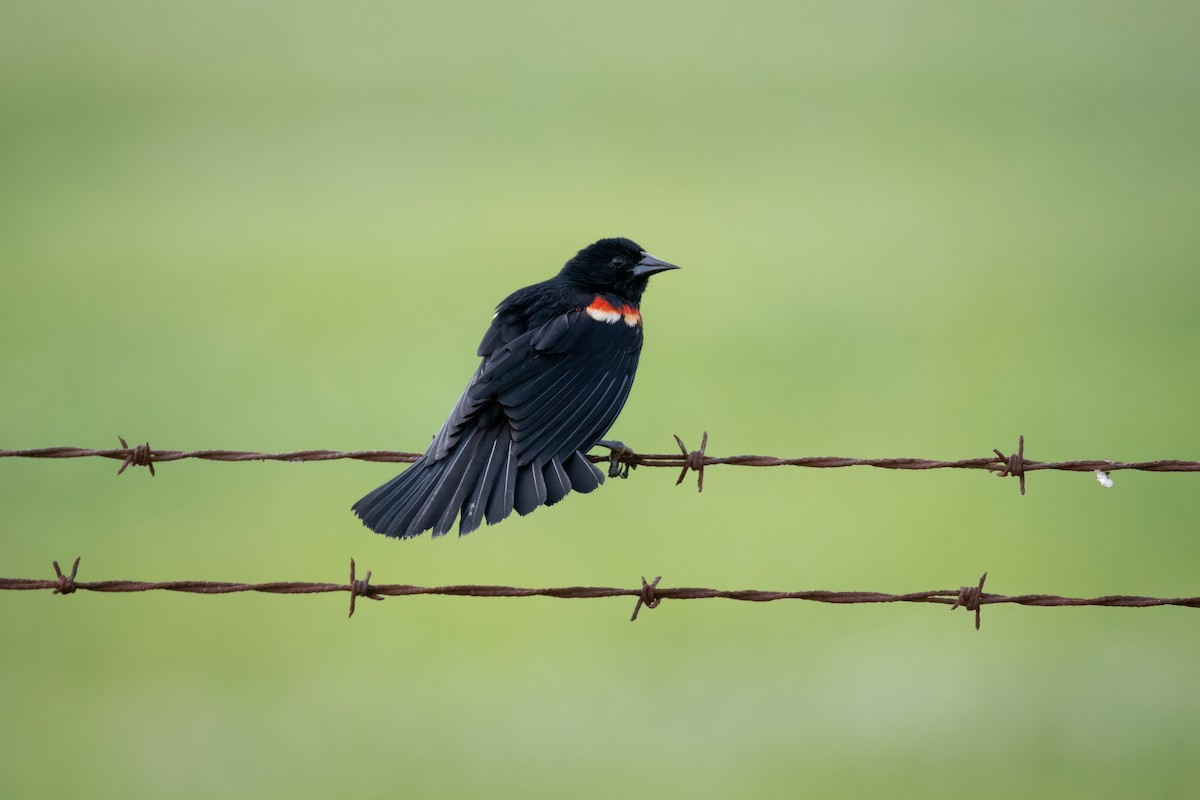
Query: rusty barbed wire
{"points": [[649, 595], [1013, 465]]}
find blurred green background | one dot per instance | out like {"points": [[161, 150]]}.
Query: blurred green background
{"points": [[907, 229]]}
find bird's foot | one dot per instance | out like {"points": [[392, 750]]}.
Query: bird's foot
{"points": [[617, 451]]}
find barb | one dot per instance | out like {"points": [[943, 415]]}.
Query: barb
{"points": [[65, 584], [693, 461], [648, 595], [1015, 465], [358, 588], [140, 456], [969, 597]]}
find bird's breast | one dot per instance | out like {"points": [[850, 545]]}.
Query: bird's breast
{"points": [[602, 310]]}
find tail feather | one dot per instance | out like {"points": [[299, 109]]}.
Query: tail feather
{"points": [[456, 465], [503, 496], [584, 475], [531, 488], [558, 484], [476, 465], [479, 479], [381, 498], [389, 508], [404, 524], [477, 501]]}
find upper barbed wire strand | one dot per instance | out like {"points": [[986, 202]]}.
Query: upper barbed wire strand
{"points": [[1015, 465], [143, 455]]}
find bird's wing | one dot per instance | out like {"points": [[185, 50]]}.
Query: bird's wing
{"points": [[559, 386]]}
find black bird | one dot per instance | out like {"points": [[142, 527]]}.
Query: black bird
{"points": [[558, 362]]}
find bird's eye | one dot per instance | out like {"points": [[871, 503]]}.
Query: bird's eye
{"points": [[618, 261]]}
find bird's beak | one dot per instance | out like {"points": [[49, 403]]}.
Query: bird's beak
{"points": [[650, 265]]}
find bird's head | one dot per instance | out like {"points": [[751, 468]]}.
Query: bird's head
{"points": [[614, 266]]}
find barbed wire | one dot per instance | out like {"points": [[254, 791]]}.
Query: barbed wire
{"points": [[1012, 465], [649, 595]]}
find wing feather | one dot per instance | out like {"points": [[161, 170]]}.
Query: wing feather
{"points": [[549, 436]]}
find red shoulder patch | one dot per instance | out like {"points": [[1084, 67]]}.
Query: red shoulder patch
{"points": [[603, 311]]}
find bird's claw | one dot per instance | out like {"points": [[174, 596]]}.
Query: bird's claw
{"points": [[617, 451]]}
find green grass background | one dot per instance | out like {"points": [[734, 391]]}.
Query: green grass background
{"points": [[907, 229]]}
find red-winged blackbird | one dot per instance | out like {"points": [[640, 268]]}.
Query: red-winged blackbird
{"points": [[558, 361]]}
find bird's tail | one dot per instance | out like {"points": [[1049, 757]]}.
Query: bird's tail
{"points": [[479, 478]]}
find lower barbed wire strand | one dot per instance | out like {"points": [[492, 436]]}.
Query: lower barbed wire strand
{"points": [[649, 595]]}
